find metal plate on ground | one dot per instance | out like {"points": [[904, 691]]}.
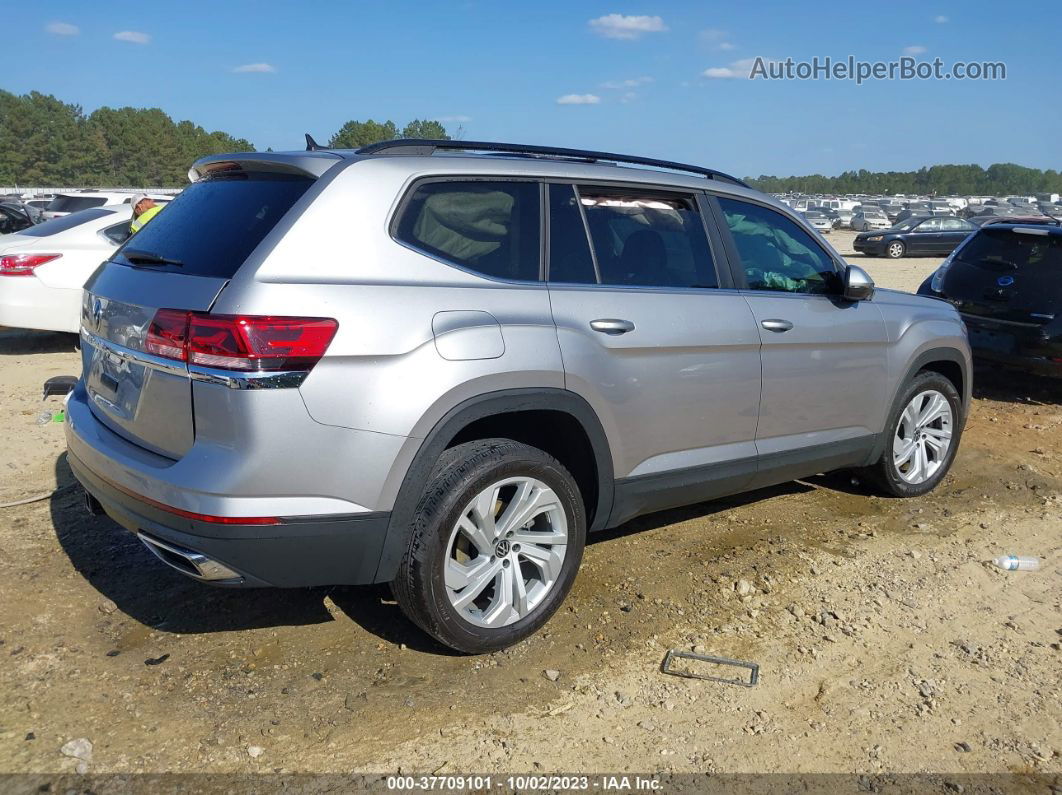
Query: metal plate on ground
{"points": [[674, 654]]}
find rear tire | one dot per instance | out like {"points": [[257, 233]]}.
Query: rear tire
{"points": [[921, 437], [497, 539]]}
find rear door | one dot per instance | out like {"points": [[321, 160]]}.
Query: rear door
{"points": [[664, 350], [182, 260], [925, 238], [824, 359], [952, 232]]}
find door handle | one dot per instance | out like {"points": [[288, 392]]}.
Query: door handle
{"points": [[776, 324], [611, 325]]}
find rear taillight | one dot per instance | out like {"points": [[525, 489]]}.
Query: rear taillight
{"points": [[240, 342], [23, 264]]}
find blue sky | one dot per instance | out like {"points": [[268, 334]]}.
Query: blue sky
{"points": [[604, 75]]}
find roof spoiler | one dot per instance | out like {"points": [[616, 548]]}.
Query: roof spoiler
{"points": [[310, 164]]}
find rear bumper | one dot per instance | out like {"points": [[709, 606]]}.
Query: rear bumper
{"points": [[301, 551], [1016, 346], [25, 302]]}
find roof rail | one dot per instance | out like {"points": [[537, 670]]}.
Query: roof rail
{"points": [[427, 146]]}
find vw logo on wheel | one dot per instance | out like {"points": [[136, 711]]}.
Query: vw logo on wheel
{"points": [[1005, 281]]}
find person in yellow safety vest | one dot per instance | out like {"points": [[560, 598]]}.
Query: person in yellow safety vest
{"points": [[144, 209]]}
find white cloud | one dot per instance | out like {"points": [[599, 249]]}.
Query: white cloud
{"points": [[255, 67], [62, 29], [618, 26], [737, 69], [633, 82], [629, 96], [716, 39], [914, 49], [458, 118], [133, 37], [579, 99], [941, 19]]}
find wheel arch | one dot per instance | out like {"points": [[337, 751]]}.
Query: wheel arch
{"points": [[479, 412], [948, 362]]}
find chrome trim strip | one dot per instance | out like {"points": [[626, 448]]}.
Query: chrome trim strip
{"points": [[233, 379], [282, 379], [136, 357]]}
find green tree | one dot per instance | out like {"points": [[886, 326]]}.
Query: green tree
{"points": [[355, 134], [425, 128]]}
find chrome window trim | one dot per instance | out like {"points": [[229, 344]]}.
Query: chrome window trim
{"points": [[232, 379]]}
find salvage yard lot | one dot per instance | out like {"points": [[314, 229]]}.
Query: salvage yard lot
{"points": [[885, 642]]}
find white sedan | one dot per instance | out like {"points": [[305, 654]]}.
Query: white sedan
{"points": [[43, 268]]}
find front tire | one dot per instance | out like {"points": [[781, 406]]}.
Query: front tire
{"points": [[895, 249], [497, 539], [922, 437]]}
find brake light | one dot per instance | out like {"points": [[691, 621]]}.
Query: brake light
{"points": [[167, 335], [23, 264], [240, 342]]}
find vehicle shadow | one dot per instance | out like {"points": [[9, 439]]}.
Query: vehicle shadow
{"points": [[1014, 386], [121, 569], [21, 342]]}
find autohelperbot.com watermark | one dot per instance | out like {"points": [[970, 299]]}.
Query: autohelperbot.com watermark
{"points": [[851, 68]]}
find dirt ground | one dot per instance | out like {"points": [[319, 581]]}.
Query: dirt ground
{"points": [[886, 642]]}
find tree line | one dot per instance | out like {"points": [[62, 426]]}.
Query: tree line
{"points": [[999, 179], [47, 142]]}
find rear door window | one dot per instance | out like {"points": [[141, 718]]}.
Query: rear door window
{"points": [[646, 238], [491, 228], [215, 223], [570, 260]]}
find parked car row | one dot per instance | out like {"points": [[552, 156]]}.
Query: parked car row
{"points": [[849, 212]]}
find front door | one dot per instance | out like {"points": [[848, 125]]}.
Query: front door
{"points": [[822, 401]]}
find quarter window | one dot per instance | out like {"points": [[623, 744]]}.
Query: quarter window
{"points": [[776, 253], [647, 239], [491, 228]]}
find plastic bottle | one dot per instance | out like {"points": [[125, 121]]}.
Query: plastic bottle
{"points": [[1017, 563], [44, 417]]}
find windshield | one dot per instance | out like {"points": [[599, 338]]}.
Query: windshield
{"points": [[57, 225]]}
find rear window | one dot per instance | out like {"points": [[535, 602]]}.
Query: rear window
{"points": [[215, 223], [57, 225], [71, 204], [1008, 250]]}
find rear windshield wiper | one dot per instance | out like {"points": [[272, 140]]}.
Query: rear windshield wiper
{"points": [[138, 257]]}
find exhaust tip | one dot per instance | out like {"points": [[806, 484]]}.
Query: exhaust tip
{"points": [[189, 562]]}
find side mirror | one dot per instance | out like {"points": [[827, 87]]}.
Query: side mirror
{"points": [[858, 286]]}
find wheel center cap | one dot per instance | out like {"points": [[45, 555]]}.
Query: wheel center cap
{"points": [[501, 549]]}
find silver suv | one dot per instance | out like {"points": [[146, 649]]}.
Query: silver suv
{"points": [[441, 364]]}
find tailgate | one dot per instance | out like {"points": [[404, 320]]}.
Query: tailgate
{"points": [[144, 398]]}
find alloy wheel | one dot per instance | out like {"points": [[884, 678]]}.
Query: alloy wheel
{"points": [[923, 437], [506, 552]]}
